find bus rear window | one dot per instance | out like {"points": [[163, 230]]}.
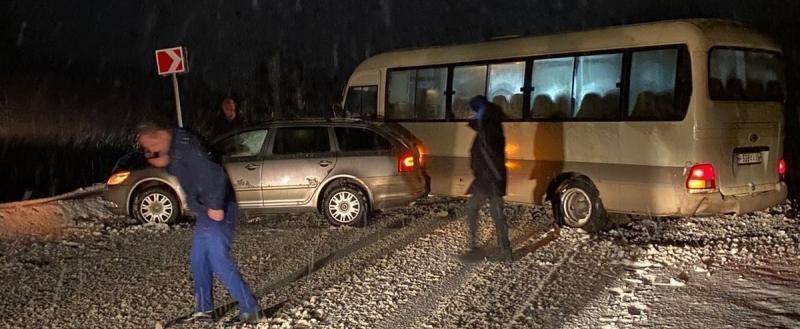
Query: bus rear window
{"points": [[745, 75]]}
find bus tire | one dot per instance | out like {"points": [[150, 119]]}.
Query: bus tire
{"points": [[577, 204]]}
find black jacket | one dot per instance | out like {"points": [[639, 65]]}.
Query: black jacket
{"points": [[223, 126], [487, 155]]}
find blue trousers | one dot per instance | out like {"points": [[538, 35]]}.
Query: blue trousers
{"points": [[210, 254]]}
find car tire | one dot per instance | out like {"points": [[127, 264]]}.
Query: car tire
{"points": [[345, 205], [156, 205], [577, 204]]}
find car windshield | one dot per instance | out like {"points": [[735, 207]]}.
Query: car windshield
{"points": [[248, 143], [131, 161]]}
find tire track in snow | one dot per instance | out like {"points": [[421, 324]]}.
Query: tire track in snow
{"points": [[383, 233], [547, 279], [424, 305], [497, 294], [348, 261]]}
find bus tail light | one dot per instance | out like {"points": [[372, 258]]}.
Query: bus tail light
{"points": [[782, 168], [406, 162], [701, 177]]}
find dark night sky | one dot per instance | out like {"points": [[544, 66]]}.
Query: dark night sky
{"points": [[82, 73]]}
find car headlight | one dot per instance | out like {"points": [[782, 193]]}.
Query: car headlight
{"points": [[118, 178]]}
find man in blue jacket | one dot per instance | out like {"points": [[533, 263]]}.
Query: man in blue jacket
{"points": [[210, 197]]}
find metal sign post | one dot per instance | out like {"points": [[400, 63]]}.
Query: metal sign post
{"points": [[177, 99], [171, 61]]}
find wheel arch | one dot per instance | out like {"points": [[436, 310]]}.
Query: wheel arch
{"points": [[155, 182], [555, 182], [342, 180]]}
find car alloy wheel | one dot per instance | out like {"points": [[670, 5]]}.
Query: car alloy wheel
{"points": [[156, 208], [344, 207]]}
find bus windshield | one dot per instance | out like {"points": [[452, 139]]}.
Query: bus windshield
{"points": [[745, 75]]}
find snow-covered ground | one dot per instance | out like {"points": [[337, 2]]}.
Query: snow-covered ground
{"points": [[407, 268]]}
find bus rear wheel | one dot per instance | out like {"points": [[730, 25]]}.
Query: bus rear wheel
{"points": [[577, 204]]}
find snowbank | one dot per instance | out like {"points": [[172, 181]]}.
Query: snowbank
{"points": [[51, 220]]}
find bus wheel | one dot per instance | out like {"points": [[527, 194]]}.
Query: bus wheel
{"points": [[577, 204]]}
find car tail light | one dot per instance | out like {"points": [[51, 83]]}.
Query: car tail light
{"points": [[421, 151], [782, 168], [118, 178], [701, 177], [406, 162]]}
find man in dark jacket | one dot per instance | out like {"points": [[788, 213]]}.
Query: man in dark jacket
{"points": [[210, 197], [487, 159], [228, 119]]}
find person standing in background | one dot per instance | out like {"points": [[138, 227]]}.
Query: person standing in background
{"points": [[228, 119]]}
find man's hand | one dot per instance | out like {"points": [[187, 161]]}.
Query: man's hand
{"points": [[215, 214]]}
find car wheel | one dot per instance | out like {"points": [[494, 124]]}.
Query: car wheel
{"points": [[345, 205], [577, 204], [156, 205]]}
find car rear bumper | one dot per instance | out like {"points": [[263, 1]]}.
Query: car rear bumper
{"points": [[397, 191]]}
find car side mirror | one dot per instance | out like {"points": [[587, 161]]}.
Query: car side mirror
{"points": [[338, 110]]}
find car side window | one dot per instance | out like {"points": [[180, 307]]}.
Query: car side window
{"points": [[245, 144], [301, 141], [360, 140]]}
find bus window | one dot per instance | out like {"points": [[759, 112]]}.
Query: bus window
{"points": [[552, 93], [505, 87], [400, 94], [747, 75], [659, 88], [468, 81], [362, 102], [430, 100], [417, 94], [597, 83]]}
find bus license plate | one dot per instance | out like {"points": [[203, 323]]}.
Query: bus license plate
{"points": [[748, 158]]}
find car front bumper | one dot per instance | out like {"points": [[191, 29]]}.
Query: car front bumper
{"points": [[117, 195]]}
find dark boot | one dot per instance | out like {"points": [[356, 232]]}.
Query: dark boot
{"points": [[504, 254]]}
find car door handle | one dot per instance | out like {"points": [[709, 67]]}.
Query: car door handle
{"points": [[325, 163], [251, 166]]}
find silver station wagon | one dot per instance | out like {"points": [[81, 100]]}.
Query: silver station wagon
{"points": [[344, 169]]}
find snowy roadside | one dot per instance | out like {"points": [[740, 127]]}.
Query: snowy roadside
{"points": [[683, 272], [101, 274], [101, 271], [728, 271], [405, 270]]}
